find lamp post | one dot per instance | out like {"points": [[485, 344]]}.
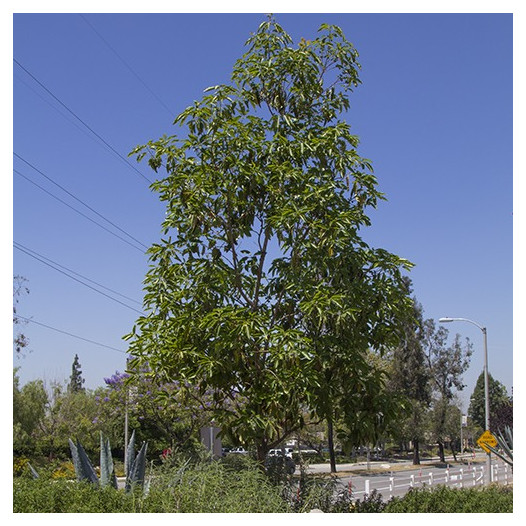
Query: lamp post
{"points": [[486, 381]]}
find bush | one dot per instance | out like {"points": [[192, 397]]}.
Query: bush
{"points": [[199, 488], [211, 487], [62, 496], [492, 499]]}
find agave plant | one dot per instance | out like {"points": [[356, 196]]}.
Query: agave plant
{"points": [[135, 464], [504, 448], [83, 467]]}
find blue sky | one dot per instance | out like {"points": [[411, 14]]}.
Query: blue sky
{"points": [[434, 114]]}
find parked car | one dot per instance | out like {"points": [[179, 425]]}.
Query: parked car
{"points": [[284, 451], [240, 450]]}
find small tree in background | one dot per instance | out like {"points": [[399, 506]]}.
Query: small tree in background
{"points": [[76, 382], [447, 364], [409, 377], [20, 341]]}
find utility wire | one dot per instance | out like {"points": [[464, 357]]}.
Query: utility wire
{"points": [[59, 110], [69, 334], [78, 211], [75, 279], [22, 247], [79, 200], [80, 120], [128, 66]]}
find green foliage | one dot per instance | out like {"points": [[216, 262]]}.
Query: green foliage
{"points": [[213, 487], [197, 488], [372, 503], [62, 496], [492, 499], [262, 282], [210, 487], [69, 414], [29, 407]]}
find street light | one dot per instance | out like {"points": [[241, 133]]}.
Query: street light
{"points": [[486, 379]]}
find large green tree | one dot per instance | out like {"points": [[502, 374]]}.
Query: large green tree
{"points": [[262, 281]]}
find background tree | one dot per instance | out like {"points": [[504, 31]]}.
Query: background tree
{"points": [[265, 196], [409, 376], [447, 364], [69, 414], [166, 415], [29, 408], [76, 382], [499, 402], [503, 416], [20, 341]]}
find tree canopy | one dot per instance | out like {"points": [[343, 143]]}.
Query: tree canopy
{"points": [[262, 282]]}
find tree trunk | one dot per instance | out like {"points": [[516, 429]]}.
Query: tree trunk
{"points": [[441, 451], [261, 451], [416, 452], [332, 456], [453, 450]]}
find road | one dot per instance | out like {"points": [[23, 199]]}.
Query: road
{"points": [[393, 480]]}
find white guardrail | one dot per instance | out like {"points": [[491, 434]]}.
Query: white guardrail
{"points": [[390, 486]]}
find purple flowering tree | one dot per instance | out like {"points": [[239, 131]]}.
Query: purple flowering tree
{"points": [[166, 414]]}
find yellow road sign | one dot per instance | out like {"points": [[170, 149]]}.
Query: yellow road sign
{"points": [[486, 439]]}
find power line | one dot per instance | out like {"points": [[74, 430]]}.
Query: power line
{"points": [[80, 120], [69, 334], [60, 111], [79, 200], [78, 211], [128, 66], [50, 263], [78, 280]]}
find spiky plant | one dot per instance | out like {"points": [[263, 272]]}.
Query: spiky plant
{"points": [[504, 449], [135, 465]]}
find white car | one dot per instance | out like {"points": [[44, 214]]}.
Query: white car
{"points": [[280, 452], [240, 450]]}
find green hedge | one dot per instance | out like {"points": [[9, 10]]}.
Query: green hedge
{"points": [[492, 499]]}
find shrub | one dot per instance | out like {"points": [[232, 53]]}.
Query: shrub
{"points": [[62, 496], [210, 487], [492, 499], [206, 487]]}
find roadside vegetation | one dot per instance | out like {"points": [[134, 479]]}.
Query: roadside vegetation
{"points": [[204, 486]]}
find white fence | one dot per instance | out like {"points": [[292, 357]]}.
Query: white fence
{"points": [[391, 486]]}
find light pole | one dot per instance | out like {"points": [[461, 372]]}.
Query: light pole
{"points": [[486, 381]]}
